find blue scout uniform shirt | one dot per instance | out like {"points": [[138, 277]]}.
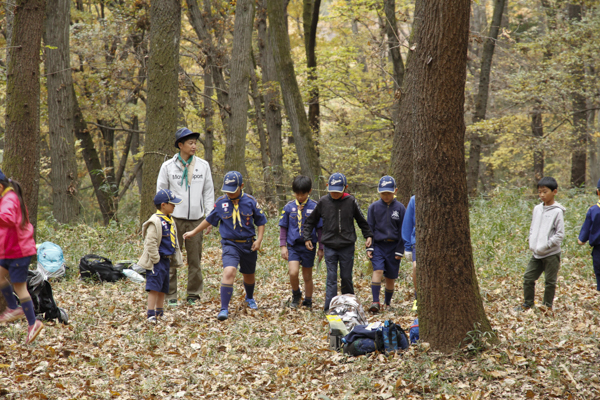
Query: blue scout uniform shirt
{"points": [[409, 227], [590, 231], [167, 242], [289, 219], [237, 224], [385, 222]]}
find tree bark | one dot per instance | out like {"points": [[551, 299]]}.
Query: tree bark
{"points": [[537, 129], [481, 99], [311, 20], [136, 145], [580, 139], [450, 304], [305, 146], [272, 103], [22, 138], [10, 17], [207, 113], [163, 95], [391, 31], [63, 173]]}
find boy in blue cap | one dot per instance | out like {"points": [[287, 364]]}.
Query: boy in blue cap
{"points": [[161, 250], [291, 242], [338, 211], [385, 218], [590, 231], [236, 214]]}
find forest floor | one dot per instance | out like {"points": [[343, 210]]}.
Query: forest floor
{"points": [[108, 351]]}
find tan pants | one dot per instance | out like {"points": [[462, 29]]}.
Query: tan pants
{"points": [[193, 248]]}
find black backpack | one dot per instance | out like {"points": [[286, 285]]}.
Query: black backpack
{"points": [[43, 301], [98, 268]]}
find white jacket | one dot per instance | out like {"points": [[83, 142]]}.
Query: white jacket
{"points": [[547, 230], [199, 198]]}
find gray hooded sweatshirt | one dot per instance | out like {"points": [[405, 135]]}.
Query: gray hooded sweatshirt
{"points": [[547, 230]]}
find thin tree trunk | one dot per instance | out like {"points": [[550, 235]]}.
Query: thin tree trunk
{"points": [[594, 143], [272, 103], [163, 95], [481, 99], [22, 138], [305, 146], [207, 113], [450, 304], [537, 129], [63, 173], [311, 20], [10, 17], [580, 139], [136, 145]]}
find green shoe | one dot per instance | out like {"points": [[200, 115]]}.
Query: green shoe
{"points": [[172, 303], [191, 301]]}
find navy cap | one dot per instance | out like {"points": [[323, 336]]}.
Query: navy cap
{"points": [[337, 183], [166, 196], [184, 134], [386, 184], [2, 176], [231, 182]]}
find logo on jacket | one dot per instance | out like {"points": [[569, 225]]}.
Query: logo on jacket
{"points": [[395, 215]]}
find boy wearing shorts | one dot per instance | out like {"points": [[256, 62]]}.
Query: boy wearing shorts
{"points": [[590, 232]]}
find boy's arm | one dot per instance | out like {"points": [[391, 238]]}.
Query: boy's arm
{"points": [[559, 233], [283, 242], [310, 223], [203, 225], [408, 225], [259, 238], [584, 233], [362, 223], [152, 243]]}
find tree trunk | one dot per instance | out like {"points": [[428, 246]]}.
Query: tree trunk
{"points": [[22, 138], [272, 103], [579, 152], [305, 146], [10, 17], [207, 113], [450, 304], [235, 146], [391, 31], [163, 95], [63, 173], [537, 130], [311, 20], [481, 99], [594, 144], [136, 145]]}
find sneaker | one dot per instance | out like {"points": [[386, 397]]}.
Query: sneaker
{"points": [[522, 307], [414, 307], [152, 320], [12, 315], [252, 304], [172, 303], [296, 300], [223, 315], [192, 301], [307, 304], [33, 331], [375, 307]]}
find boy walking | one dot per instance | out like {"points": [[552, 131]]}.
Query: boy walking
{"points": [[236, 214], [291, 241], [409, 236], [339, 210], [385, 217], [590, 231], [161, 252], [545, 237]]}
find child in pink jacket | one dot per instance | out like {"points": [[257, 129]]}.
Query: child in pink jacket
{"points": [[16, 249]]}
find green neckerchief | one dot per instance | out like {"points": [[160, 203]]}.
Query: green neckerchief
{"points": [[184, 176]]}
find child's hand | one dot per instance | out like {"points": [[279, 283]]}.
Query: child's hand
{"points": [[580, 242], [256, 245], [369, 254], [188, 235], [398, 257], [369, 242], [284, 252], [208, 230], [309, 245], [320, 255]]}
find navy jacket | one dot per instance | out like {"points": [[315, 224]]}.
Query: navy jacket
{"points": [[385, 222], [590, 231], [250, 213]]}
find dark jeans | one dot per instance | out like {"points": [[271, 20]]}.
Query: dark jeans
{"points": [[345, 257], [549, 266], [596, 260]]}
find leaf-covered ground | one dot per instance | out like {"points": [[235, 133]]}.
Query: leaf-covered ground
{"points": [[108, 350]]}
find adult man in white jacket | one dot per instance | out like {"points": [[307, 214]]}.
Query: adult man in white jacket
{"points": [[190, 179]]}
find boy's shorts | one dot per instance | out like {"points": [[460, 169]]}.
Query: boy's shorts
{"points": [[17, 268], [159, 279], [235, 254], [299, 252], [384, 259]]}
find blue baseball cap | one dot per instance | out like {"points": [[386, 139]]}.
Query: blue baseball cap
{"points": [[386, 184], [337, 183], [166, 196], [231, 182], [3, 177], [184, 134]]}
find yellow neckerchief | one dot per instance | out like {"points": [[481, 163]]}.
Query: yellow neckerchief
{"points": [[236, 210], [596, 204], [299, 214], [6, 190], [168, 219]]}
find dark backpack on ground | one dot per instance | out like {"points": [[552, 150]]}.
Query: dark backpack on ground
{"points": [[393, 336], [43, 301], [388, 338], [98, 268], [414, 331]]}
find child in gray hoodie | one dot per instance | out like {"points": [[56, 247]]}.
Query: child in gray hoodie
{"points": [[545, 236]]}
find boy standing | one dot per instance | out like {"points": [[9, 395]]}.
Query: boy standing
{"points": [[161, 251], [385, 217], [338, 210], [545, 236], [409, 237], [590, 231], [291, 241], [236, 214]]}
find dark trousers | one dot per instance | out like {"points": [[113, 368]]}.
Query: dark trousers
{"points": [[596, 258], [345, 258], [549, 266]]}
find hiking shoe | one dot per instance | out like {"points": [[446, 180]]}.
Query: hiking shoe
{"points": [[12, 315], [152, 320], [192, 301], [223, 315], [252, 304], [307, 304], [172, 303], [33, 331], [522, 307], [414, 307], [375, 307], [296, 300]]}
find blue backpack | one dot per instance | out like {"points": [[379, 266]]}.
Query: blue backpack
{"points": [[387, 339], [394, 337], [414, 331], [51, 261]]}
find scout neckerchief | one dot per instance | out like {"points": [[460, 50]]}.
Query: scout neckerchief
{"points": [[6, 190], [236, 210], [596, 204], [184, 176], [299, 214], [168, 219]]}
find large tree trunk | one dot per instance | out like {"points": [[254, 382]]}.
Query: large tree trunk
{"points": [[580, 139], [450, 304], [163, 95], [235, 147], [272, 103], [305, 146], [63, 173], [22, 138], [481, 99], [311, 20]]}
